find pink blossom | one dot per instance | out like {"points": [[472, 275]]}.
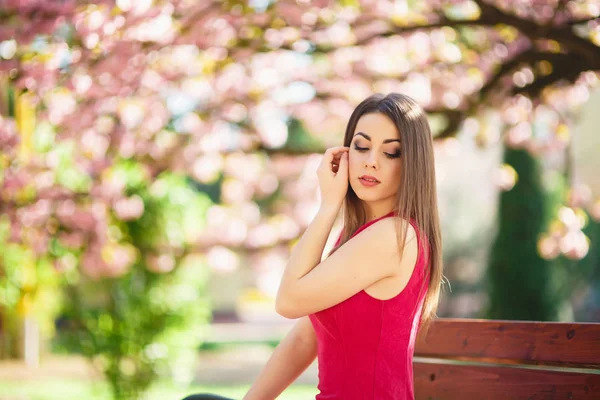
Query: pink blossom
{"points": [[129, 208]]}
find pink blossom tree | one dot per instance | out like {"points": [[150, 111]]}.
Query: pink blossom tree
{"points": [[239, 97]]}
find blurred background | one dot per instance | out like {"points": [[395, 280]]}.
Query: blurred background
{"points": [[158, 159]]}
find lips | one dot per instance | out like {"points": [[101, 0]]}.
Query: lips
{"points": [[368, 181], [369, 178]]}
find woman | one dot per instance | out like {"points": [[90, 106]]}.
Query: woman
{"points": [[360, 308]]}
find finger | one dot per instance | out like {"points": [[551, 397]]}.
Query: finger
{"points": [[336, 165], [344, 161], [332, 157], [336, 150], [342, 165], [336, 153]]}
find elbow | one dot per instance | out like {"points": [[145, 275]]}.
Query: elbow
{"points": [[285, 308]]}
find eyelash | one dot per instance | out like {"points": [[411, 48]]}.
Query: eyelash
{"points": [[361, 149]]}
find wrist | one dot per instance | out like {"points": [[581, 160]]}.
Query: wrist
{"points": [[329, 209]]}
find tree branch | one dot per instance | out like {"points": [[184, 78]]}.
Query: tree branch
{"points": [[581, 21], [455, 118], [561, 72], [527, 57], [532, 30], [443, 22]]}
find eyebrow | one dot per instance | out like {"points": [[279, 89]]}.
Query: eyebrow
{"points": [[369, 138]]}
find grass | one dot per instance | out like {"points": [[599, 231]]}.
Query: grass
{"points": [[72, 389]]}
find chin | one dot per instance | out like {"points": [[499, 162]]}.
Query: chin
{"points": [[365, 196], [369, 199]]}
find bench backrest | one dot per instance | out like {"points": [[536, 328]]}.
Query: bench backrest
{"points": [[497, 359]]}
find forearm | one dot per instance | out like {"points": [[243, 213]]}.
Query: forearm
{"points": [[307, 253], [290, 358]]}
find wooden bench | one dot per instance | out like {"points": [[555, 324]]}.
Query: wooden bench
{"points": [[472, 359]]}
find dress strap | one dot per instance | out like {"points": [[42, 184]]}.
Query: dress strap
{"points": [[366, 225]]}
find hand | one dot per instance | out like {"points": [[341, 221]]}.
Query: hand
{"points": [[333, 176]]}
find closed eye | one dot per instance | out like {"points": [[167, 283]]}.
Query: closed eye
{"points": [[363, 149]]}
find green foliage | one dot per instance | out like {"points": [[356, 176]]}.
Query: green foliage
{"points": [[574, 275], [141, 326], [146, 324], [212, 190], [174, 214], [132, 173], [522, 285], [299, 139], [70, 389], [68, 173], [29, 288], [520, 282]]}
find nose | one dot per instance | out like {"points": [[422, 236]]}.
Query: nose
{"points": [[371, 161]]}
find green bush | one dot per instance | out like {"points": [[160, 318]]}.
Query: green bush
{"points": [[149, 322]]}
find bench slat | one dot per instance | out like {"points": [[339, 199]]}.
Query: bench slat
{"points": [[551, 343], [437, 381]]}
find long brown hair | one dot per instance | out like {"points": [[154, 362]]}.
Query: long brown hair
{"points": [[416, 197]]}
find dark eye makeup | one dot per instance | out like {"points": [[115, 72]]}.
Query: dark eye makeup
{"points": [[362, 149]]}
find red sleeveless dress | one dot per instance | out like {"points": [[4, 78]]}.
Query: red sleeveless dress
{"points": [[366, 345]]}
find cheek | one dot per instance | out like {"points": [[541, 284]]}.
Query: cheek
{"points": [[399, 174], [353, 161], [396, 173]]}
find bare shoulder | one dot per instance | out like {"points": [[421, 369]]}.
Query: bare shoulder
{"points": [[368, 257], [400, 267], [385, 232], [380, 241]]}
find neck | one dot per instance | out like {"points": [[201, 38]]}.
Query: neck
{"points": [[379, 208], [377, 215]]}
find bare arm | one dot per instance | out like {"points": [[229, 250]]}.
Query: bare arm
{"points": [[307, 287], [305, 256], [291, 357]]}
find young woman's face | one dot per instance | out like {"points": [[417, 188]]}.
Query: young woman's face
{"points": [[375, 150]]}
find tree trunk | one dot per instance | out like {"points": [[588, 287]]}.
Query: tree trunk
{"points": [[20, 339]]}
